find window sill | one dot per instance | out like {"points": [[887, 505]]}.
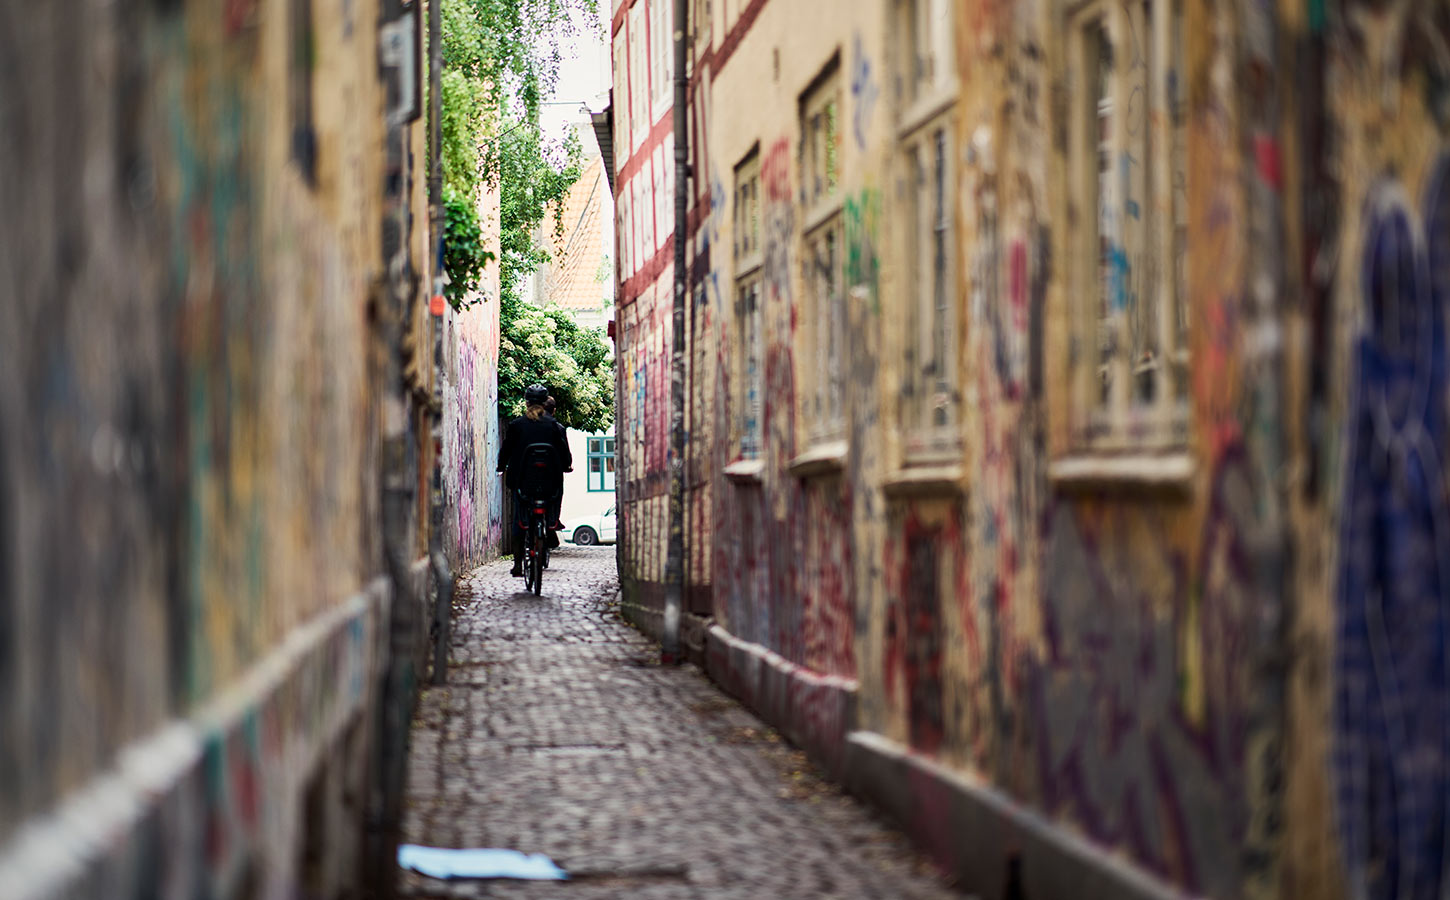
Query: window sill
{"points": [[820, 214], [926, 109], [745, 471], [1142, 471], [823, 459], [919, 480]]}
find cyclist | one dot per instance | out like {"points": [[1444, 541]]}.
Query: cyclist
{"points": [[530, 429]]}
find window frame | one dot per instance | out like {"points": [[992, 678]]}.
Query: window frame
{"points": [[1120, 406], [639, 100], [648, 178], [620, 63], [922, 98], [931, 417], [661, 56], [822, 406], [927, 88], [748, 303], [608, 467]]}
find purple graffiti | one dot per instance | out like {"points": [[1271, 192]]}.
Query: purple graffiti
{"points": [[1391, 669]]}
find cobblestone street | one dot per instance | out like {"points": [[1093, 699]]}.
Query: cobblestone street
{"points": [[558, 733]]}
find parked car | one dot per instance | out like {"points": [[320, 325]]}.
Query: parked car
{"points": [[589, 530]]}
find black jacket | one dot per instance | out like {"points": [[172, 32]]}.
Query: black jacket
{"points": [[521, 433]]}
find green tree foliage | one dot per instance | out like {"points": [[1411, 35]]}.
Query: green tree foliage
{"points": [[548, 347], [501, 62], [531, 179]]}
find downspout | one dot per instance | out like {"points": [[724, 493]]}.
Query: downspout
{"points": [[442, 575], [675, 560], [393, 295], [691, 495]]}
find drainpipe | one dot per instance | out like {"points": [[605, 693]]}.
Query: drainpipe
{"points": [[442, 575], [675, 560], [393, 712]]}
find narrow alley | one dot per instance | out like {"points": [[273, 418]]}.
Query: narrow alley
{"points": [[558, 732]]}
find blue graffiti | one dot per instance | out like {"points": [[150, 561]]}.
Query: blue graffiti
{"points": [[864, 92], [1121, 273], [1125, 170], [1391, 763]]}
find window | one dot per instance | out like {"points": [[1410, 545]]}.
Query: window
{"points": [[1130, 350], [926, 85], [601, 464], [666, 167], [749, 354], [621, 235], [926, 69], [638, 212], [649, 183], [824, 276], [702, 21], [638, 77], [662, 53], [620, 242], [930, 402], [621, 93]]}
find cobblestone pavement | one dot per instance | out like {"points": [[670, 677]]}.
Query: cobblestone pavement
{"points": [[558, 733]]}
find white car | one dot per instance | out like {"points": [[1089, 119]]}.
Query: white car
{"points": [[589, 530]]}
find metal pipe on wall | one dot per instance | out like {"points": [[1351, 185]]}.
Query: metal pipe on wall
{"points": [[442, 575], [675, 559]]}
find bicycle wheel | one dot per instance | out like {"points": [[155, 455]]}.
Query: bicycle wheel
{"points": [[540, 546], [528, 564], [528, 538]]}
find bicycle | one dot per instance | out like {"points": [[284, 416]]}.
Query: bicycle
{"points": [[536, 546], [536, 488]]}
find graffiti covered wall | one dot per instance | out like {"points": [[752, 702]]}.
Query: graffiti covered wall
{"points": [[1134, 513], [1369, 807], [192, 261], [472, 493]]}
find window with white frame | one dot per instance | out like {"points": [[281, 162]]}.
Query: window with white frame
{"points": [[638, 212], [661, 54], [649, 185], [667, 188], [662, 215], [620, 65], [750, 345], [821, 196], [702, 21], [1130, 350], [638, 76], [926, 86], [621, 235], [931, 399], [924, 48]]}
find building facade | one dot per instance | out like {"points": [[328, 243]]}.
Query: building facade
{"points": [[643, 154], [1066, 414]]}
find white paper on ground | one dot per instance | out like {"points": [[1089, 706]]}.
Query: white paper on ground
{"points": [[442, 863]]}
